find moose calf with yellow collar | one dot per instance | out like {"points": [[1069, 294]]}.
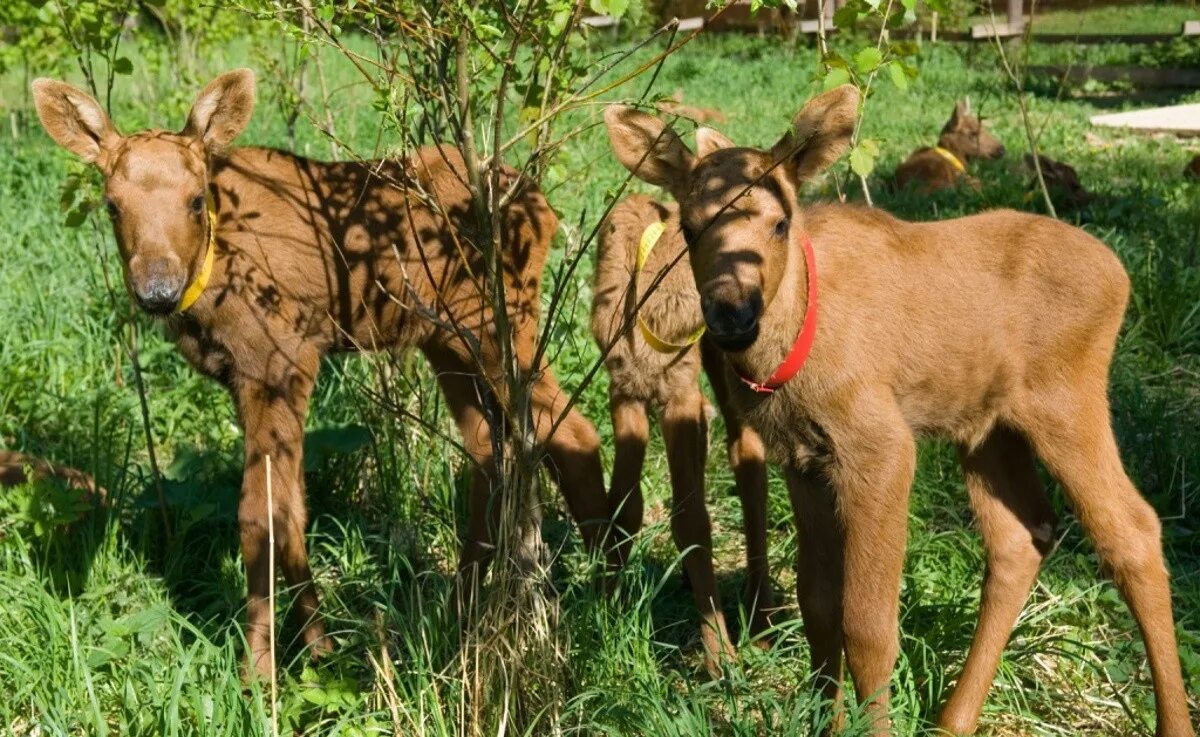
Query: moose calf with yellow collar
{"points": [[293, 259], [944, 166], [994, 331], [646, 320]]}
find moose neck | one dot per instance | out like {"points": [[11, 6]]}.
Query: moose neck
{"points": [[948, 143]]}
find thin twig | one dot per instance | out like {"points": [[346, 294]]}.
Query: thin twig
{"points": [[271, 601], [1019, 83]]}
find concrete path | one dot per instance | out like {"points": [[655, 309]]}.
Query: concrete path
{"points": [[1182, 120]]}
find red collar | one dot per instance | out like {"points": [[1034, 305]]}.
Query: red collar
{"points": [[808, 330]]}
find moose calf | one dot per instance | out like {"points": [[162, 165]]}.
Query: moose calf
{"points": [[262, 262], [995, 331], [1062, 181], [646, 320], [19, 468], [943, 166]]}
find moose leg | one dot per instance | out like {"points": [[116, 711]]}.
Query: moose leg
{"points": [[686, 435], [631, 432], [1073, 436], [819, 580], [272, 407], [1017, 525], [465, 401], [573, 459], [873, 479], [748, 459]]}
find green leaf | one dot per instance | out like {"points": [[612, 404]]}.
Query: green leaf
{"points": [[868, 59], [487, 31], [123, 65], [78, 216], [845, 17], [140, 622], [836, 78], [862, 163], [898, 77], [615, 8]]}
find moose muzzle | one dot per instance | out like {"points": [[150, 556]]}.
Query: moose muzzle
{"points": [[158, 284], [732, 323]]}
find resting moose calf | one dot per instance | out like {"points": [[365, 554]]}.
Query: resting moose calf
{"points": [[943, 166], [263, 262], [646, 320], [18, 468], [995, 331]]}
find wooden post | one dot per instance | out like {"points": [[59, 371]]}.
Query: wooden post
{"points": [[1016, 16]]}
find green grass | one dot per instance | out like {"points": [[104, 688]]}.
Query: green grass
{"points": [[1124, 18], [108, 627]]}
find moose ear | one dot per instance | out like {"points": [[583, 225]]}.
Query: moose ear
{"points": [[647, 147], [222, 109], [820, 133], [74, 120], [709, 140], [962, 110]]}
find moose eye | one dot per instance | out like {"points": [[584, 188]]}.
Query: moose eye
{"points": [[113, 211], [781, 228], [197, 204]]}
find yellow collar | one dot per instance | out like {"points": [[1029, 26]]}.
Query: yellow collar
{"points": [[949, 156], [196, 288], [650, 238]]}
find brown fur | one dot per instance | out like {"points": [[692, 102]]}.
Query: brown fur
{"points": [[19, 468], [315, 258], [995, 331], [965, 136], [1062, 181], [1192, 170], [668, 384]]}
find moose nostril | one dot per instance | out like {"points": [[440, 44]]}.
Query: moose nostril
{"points": [[158, 296], [744, 317], [732, 318]]}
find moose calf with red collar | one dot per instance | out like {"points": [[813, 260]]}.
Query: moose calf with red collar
{"points": [[293, 259], [995, 331]]}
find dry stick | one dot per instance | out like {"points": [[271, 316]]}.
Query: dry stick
{"points": [[862, 107], [271, 600], [559, 292], [330, 131], [1019, 83], [131, 347], [823, 48], [145, 406], [579, 98]]}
